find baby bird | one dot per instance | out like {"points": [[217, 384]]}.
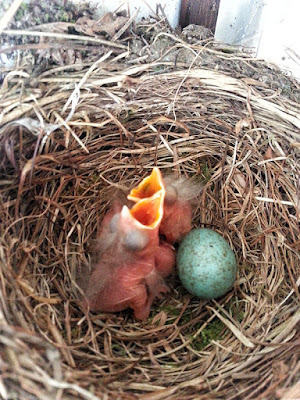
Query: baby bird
{"points": [[178, 210], [177, 218], [126, 274]]}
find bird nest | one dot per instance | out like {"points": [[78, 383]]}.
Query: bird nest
{"points": [[74, 135]]}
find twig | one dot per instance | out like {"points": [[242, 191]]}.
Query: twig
{"points": [[63, 36], [126, 26], [4, 21]]}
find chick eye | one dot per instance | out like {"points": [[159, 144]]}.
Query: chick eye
{"points": [[171, 195], [136, 240], [114, 222]]}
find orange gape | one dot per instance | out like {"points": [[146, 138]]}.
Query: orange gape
{"points": [[132, 260], [165, 254], [177, 215], [132, 263]]}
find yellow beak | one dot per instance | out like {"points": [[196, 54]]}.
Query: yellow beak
{"points": [[146, 213], [149, 186]]}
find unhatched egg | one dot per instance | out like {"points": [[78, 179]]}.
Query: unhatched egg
{"points": [[206, 264]]}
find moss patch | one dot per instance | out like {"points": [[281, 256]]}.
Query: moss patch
{"points": [[215, 330]]}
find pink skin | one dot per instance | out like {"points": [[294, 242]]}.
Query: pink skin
{"points": [[177, 221], [165, 259], [132, 263], [134, 285], [126, 276], [177, 210]]}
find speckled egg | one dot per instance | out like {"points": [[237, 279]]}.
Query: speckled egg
{"points": [[206, 264]]}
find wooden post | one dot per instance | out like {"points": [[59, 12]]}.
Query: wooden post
{"points": [[199, 12]]}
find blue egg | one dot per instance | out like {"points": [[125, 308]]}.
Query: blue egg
{"points": [[206, 264]]}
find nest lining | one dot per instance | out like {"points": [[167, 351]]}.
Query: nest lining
{"points": [[96, 131]]}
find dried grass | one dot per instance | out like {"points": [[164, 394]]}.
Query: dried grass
{"points": [[99, 127]]}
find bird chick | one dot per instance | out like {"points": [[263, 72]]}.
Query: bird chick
{"points": [[177, 218], [125, 274], [165, 256]]}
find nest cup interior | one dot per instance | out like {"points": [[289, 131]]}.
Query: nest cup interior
{"points": [[239, 139]]}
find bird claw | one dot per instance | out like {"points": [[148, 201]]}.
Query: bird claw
{"points": [[162, 289]]}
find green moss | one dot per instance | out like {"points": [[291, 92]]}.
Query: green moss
{"points": [[94, 177], [207, 172], [171, 311], [239, 316], [76, 332], [215, 330], [117, 349], [187, 317], [21, 11], [63, 15], [234, 307], [169, 365], [39, 12], [159, 69]]}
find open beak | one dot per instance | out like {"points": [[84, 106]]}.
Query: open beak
{"points": [[149, 186], [147, 213]]}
